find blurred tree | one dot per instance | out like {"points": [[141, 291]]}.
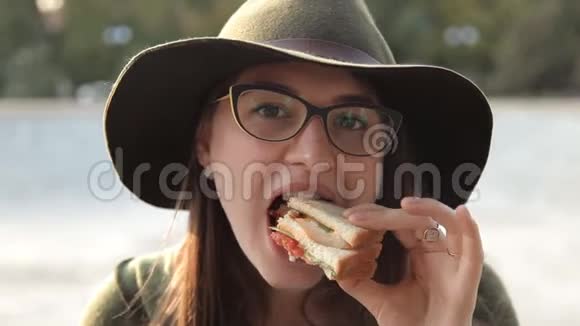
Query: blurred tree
{"points": [[541, 53], [505, 46], [86, 55], [30, 72], [20, 26], [455, 34]]}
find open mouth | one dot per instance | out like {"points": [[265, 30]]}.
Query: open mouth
{"points": [[277, 208]]}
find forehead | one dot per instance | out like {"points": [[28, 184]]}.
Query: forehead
{"points": [[307, 78]]}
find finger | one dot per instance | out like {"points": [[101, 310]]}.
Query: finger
{"points": [[407, 238], [361, 207], [390, 219], [441, 213], [472, 254]]}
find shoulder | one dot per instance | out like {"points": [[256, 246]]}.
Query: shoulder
{"points": [[494, 306], [115, 302]]}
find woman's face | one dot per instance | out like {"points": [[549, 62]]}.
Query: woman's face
{"points": [[250, 173]]}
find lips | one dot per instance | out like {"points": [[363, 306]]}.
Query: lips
{"points": [[304, 190]]}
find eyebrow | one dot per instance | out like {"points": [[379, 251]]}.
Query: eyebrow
{"points": [[344, 98]]}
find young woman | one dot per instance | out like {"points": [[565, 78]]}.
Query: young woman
{"points": [[288, 99]]}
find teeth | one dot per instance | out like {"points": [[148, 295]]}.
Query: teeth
{"points": [[301, 194]]}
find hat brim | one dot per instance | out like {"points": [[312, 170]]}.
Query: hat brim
{"points": [[151, 111]]}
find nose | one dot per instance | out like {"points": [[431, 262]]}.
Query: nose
{"points": [[311, 147]]}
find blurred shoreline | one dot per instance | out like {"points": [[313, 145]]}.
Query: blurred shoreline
{"points": [[69, 105]]}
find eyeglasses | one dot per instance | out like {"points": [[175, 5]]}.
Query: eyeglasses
{"points": [[273, 114]]}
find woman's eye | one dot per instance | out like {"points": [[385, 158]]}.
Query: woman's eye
{"points": [[350, 122], [271, 111]]}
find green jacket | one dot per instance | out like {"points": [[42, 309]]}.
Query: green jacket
{"points": [[108, 305]]}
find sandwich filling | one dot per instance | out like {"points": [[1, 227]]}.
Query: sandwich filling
{"points": [[315, 230], [295, 251], [281, 238]]}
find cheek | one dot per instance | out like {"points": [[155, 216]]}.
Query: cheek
{"points": [[234, 147], [360, 180], [233, 153]]}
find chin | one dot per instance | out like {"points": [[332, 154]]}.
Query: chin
{"points": [[300, 278]]}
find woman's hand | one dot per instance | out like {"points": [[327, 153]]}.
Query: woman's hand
{"points": [[443, 276]]}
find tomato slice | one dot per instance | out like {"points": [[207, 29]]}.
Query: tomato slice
{"points": [[287, 243]]}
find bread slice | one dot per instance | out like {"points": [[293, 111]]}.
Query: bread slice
{"points": [[324, 237], [331, 216], [337, 264]]}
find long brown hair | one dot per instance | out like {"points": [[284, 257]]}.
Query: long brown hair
{"points": [[213, 283]]}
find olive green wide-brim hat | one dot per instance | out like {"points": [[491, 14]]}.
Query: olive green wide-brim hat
{"points": [[155, 103]]}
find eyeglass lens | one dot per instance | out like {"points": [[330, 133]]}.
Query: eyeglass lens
{"points": [[275, 116]]}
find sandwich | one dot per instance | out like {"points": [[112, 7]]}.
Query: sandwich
{"points": [[315, 231]]}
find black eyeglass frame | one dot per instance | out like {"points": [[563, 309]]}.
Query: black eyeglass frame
{"points": [[311, 110]]}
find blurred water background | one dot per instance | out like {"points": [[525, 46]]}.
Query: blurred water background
{"points": [[60, 238]]}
